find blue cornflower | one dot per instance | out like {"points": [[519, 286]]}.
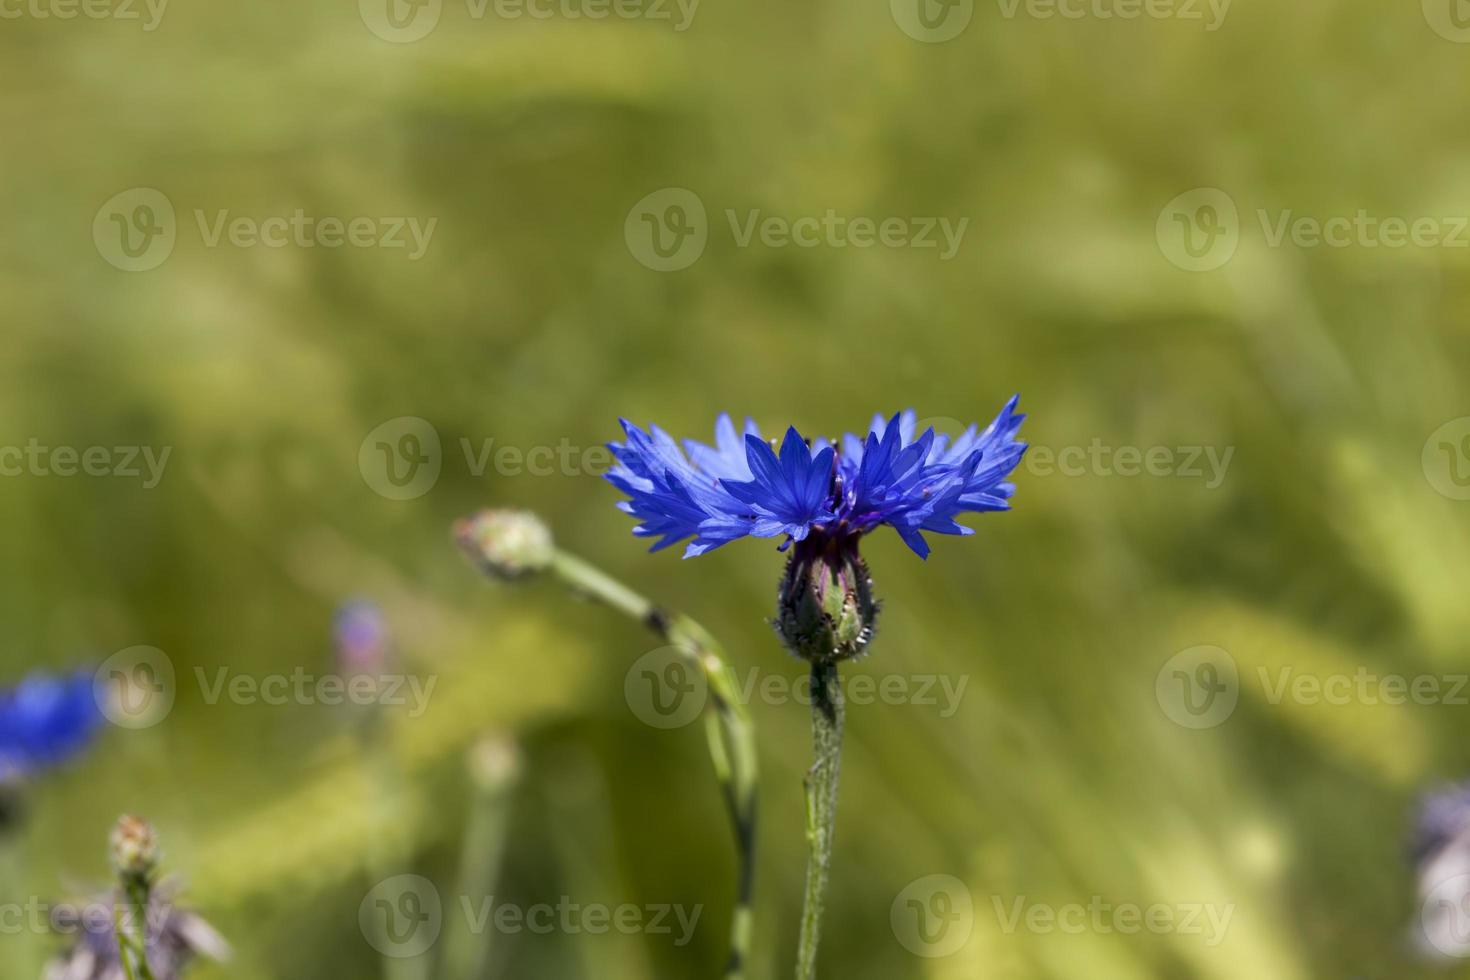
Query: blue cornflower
{"points": [[360, 634], [820, 496], [44, 721], [1440, 850], [1442, 818], [742, 487]]}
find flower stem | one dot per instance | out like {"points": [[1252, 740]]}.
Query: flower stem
{"points": [[821, 809], [728, 728], [467, 957], [130, 949]]}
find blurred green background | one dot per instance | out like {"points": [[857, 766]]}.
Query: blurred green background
{"points": [[531, 320]]}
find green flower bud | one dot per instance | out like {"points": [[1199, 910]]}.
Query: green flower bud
{"points": [[135, 849], [508, 544], [495, 762], [826, 612]]}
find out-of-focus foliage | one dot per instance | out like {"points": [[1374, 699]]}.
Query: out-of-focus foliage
{"points": [[1323, 548]]}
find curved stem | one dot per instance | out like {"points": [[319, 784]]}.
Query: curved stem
{"points": [[728, 729], [821, 809]]}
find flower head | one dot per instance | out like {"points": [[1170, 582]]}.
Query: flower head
{"points": [[44, 721], [134, 847], [1442, 819], [507, 544], [175, 936], [743, 486], [360, 634], [1440, 850]]}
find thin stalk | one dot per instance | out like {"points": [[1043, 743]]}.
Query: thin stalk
{"points": [[466, 956], [129, 948], [124, 947], [728, 729], [821, 809], [386, 856]]}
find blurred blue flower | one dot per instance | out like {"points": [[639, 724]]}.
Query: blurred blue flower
{"points": [[175, 937], [360, 634], [1440, 849], [742, 487], [44, 721], [1442, 818]]}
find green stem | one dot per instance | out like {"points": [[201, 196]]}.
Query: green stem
{"points": [[728, 729], [124, 947], [386, 855], [821, 809], [130, 950], [466, 956]]}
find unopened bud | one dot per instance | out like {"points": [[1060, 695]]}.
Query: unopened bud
{"points": [[826, 612], [135, 850], [505, 543], [495, 762]]}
